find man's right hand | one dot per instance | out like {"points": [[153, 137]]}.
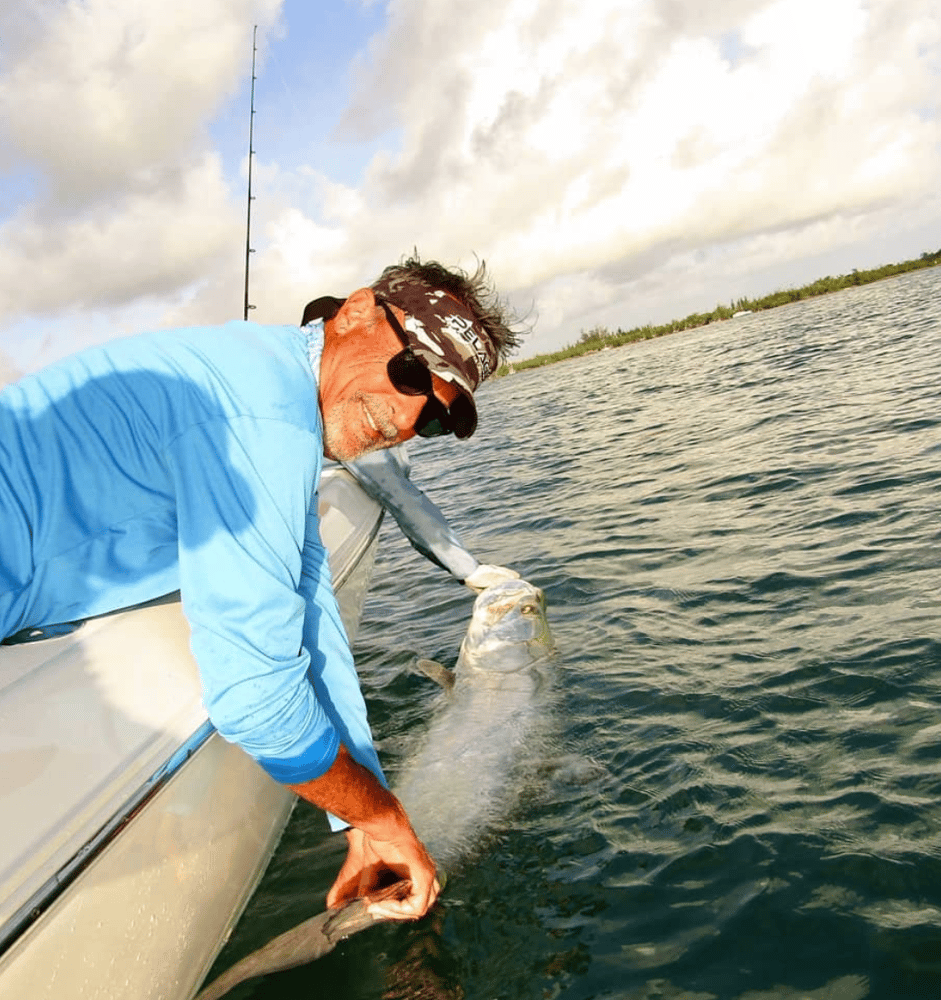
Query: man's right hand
{"points": [[365, 870], [382, 840]]}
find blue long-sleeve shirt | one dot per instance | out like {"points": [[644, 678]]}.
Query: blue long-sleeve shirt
{"points": [[189, 460]]}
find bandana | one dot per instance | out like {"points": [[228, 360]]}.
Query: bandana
{"points": [[441, 331]]}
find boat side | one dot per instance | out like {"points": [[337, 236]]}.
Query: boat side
{"points": [[138, 834]]}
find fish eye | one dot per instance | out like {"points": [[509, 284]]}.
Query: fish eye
{"points": [[529, 609]]}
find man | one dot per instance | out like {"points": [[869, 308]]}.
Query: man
{"points": [[189, 460]]}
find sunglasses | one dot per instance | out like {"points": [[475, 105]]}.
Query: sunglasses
{"points": [[410, 376]]}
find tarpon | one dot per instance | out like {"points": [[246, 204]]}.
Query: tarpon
{"points": [[460, 779]]}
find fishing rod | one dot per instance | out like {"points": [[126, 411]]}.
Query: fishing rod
{"points": [[251, 152]]}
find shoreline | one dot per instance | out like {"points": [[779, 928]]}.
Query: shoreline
{"points": [[601, 338]]}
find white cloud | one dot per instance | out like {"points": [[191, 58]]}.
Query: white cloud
{"points": [[101, 94], [8, 371], [140, 244], [107, 106]]}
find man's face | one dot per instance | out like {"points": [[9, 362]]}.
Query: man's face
{"points": [[362, 409]]}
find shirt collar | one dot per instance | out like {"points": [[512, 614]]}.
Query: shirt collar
{"points": [[314, 333]]}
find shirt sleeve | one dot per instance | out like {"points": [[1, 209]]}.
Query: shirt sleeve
{"points": [[256, 591], [385, 478], [332, 670]]}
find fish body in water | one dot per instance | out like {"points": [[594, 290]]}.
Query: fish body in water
{"points": [[458, 781]]}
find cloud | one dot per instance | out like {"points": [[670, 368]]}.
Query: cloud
{"points": [[107, 105], [8, 371], [571, 143], [101, 95], [596, 145], [613, 162], [142, 243]]}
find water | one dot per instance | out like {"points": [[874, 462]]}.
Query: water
{"points": [[737, 532]]}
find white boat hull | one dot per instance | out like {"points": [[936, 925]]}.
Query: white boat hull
{"points": [[146, 918]]}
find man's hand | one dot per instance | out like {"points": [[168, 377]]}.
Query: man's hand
{"points": [[383, 846], [486, 576], [367, 867]]}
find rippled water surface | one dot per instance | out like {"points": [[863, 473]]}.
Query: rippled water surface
{"points": [[737, 531]]}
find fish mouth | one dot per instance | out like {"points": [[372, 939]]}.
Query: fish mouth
{"points": [[508, 616]]}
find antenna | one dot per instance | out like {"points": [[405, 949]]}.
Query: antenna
{"points": [[251, 152]]}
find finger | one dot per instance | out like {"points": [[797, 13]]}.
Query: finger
{"points": [[411, 907], [390, 910], [406, 909], [353, 883], [346, 884], [342, 891]]}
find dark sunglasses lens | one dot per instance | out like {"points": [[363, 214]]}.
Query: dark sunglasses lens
{"points": [[462, 417], [433, 421], [408, 374], [412, 378]]}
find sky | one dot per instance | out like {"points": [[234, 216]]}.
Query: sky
{"points": [[614, 162]]}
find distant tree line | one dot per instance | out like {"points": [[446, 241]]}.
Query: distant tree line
{"points": [[600, 337]]}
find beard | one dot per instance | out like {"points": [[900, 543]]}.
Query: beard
{"points": [[347, 432]]}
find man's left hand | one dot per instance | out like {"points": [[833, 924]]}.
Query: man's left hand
{"points": [[487, 575]]}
